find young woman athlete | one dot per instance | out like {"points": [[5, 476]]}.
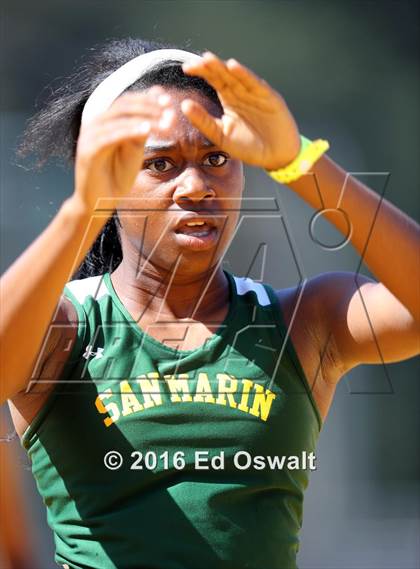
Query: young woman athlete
{"points": [[149, 386]]}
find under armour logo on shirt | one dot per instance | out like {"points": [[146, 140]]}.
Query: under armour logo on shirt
{"points": [[89, 352]]}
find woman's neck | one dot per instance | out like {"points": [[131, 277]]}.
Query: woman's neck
{"points": [[166, 296]]}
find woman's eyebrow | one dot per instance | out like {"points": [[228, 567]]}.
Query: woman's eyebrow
{"points": [[168, 146]]}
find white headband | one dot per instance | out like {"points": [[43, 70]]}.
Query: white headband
{"points": [[116, 83]]}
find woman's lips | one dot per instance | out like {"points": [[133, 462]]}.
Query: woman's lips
{"points": [[194, 229], [198, 237]]}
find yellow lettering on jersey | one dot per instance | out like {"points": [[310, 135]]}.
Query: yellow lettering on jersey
{"points": [[227, 386], [203, 392], [150, 390], [130, 403], [247, 384], [262, 402], [176, 384], [110, 408]]}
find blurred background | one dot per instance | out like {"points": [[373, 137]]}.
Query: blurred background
{"points": [[350, 73]]}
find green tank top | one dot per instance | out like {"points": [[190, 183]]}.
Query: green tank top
{"points": [[216, 442]]}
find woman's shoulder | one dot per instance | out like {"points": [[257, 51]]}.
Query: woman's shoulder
{"points": [[79, 290]]}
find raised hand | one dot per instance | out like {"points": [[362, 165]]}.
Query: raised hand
{"points": [[110, 148], [256, 126]]}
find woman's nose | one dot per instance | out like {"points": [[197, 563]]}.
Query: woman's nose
{"points": [[193, 185]]}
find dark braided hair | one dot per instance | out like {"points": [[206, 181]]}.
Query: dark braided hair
{"points": [[53, 131]]}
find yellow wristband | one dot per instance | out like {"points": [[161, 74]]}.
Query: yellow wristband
{"points": [[309, 153]]}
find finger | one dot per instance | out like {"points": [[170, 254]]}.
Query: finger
{"points": [[109, 122], [105, 130], [206, 73], [214, 71], [105, 141], [152, 102], [245, 76], [132, 107], [210, 126], [217, 67], [151, 94], [161, 121], [102, 128], [232, 73], [113, 133], [129, 157]]}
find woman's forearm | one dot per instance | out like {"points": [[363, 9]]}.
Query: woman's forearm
{"points": [[385, 237], [31, 288]]}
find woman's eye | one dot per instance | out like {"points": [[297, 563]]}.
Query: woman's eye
{"points": [[159, 165], [216, 159]]}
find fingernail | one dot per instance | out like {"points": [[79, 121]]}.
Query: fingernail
{"points": [[166, 119], [143, 128], [163, 100]]}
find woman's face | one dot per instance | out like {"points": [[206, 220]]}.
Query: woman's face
{"points": [[183, 175]]}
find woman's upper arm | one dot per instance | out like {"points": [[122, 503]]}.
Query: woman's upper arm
{"points": [[365, 321], [62, 334], [56, 348]]}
